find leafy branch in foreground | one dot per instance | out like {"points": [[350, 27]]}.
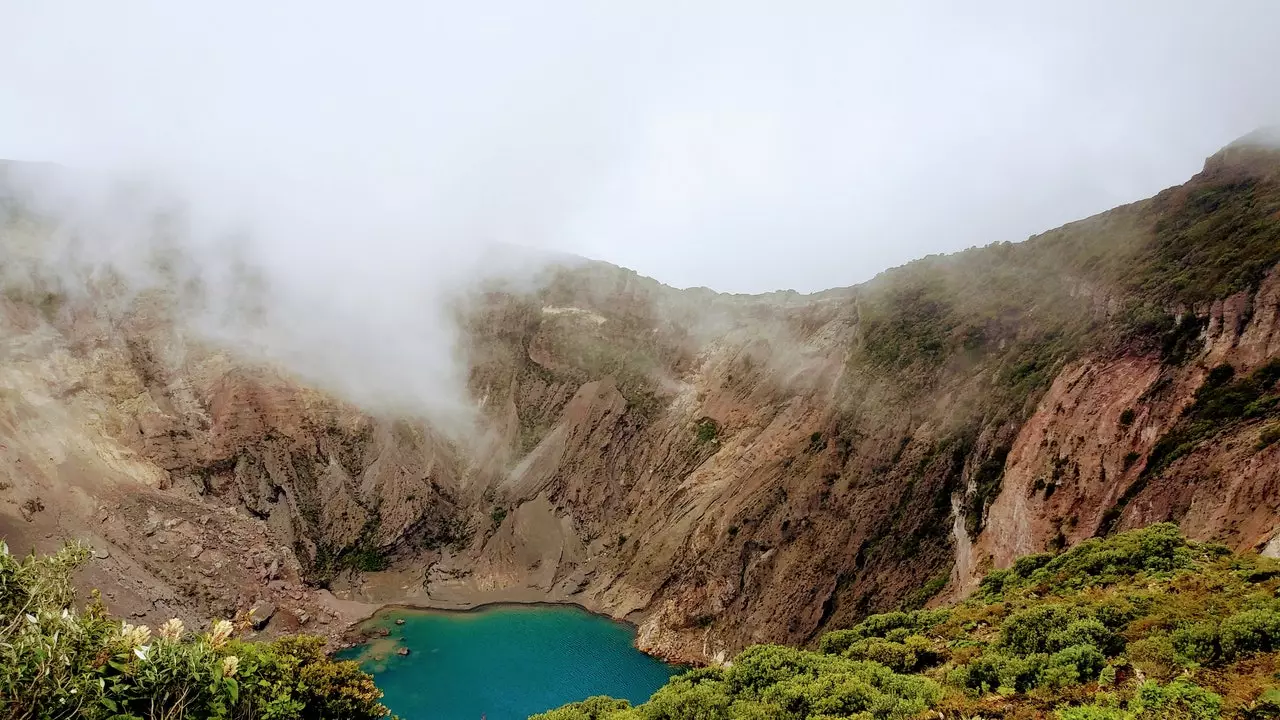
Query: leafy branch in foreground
{"points": [[57, 661]]}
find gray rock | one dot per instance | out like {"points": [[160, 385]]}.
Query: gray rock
{"points": [[263, 615]]}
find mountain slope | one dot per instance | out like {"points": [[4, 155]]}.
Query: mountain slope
{"points": [[722, 469]]}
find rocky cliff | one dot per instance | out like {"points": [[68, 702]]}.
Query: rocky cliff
{"points": [[722, 469]]}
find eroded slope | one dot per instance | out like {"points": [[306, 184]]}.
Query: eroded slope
{"points": [[723, 469]]}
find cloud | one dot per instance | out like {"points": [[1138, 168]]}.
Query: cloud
{"points": [[363, 157]]}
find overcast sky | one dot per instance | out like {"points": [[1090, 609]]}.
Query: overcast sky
{"points": [[740, 145]]}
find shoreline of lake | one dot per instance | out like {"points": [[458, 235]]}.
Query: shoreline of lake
{"points": [[550, 653]]}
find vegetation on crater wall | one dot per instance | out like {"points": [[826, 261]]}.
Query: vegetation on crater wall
{"points": [[1219, 237], [1221, 401], [1139, 626], [992, 327]]}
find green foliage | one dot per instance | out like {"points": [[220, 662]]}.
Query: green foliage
{"points": [[778, 683], [1126, 417], [1222, 401], [1250, 631], [1179, 700], [707, 431], [363, 555], [60, 662], [917, 599], [1154, 549], [1214, 239], [986, 484], [1130, 458], [593, 708], [1068, 635], [497, 515], [1050, 628]]}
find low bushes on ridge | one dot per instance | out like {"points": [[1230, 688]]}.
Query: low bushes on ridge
{"points": [[1139, 626]]}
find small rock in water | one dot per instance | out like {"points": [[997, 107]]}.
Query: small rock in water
{"points": [[403, 651], [399, 621]]}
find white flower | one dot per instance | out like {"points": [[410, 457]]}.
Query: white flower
{"points": [[220, 632], [141, 652], [230, 664], [172, 629], [135, 635]]}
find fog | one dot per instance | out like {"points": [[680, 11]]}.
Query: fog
{"points": [[367, 155], [741, 146]]}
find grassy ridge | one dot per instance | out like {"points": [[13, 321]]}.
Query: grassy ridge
{"points": [[1142, 625]]}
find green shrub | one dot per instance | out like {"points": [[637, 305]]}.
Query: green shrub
{"points": [[60, 662], [910, 655], [882, 626], [1130, 458], [994, 671], [1155, 655], [1127, 417], [1249, 632], [1099, 562], [779, 683], [593, 708], [1029, 631], [1179, 700], [1072, 666], [1266, 707], [707, 431], [1197, 643], [1144, 625], [1050, 628]]}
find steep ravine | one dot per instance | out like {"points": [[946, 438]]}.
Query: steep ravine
{"points": [[720, 469]]}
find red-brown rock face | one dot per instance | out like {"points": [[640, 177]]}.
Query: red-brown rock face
{"points": [[721, 469]]}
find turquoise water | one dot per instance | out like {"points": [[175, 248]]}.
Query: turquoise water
{"points": [[504, 662]]}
